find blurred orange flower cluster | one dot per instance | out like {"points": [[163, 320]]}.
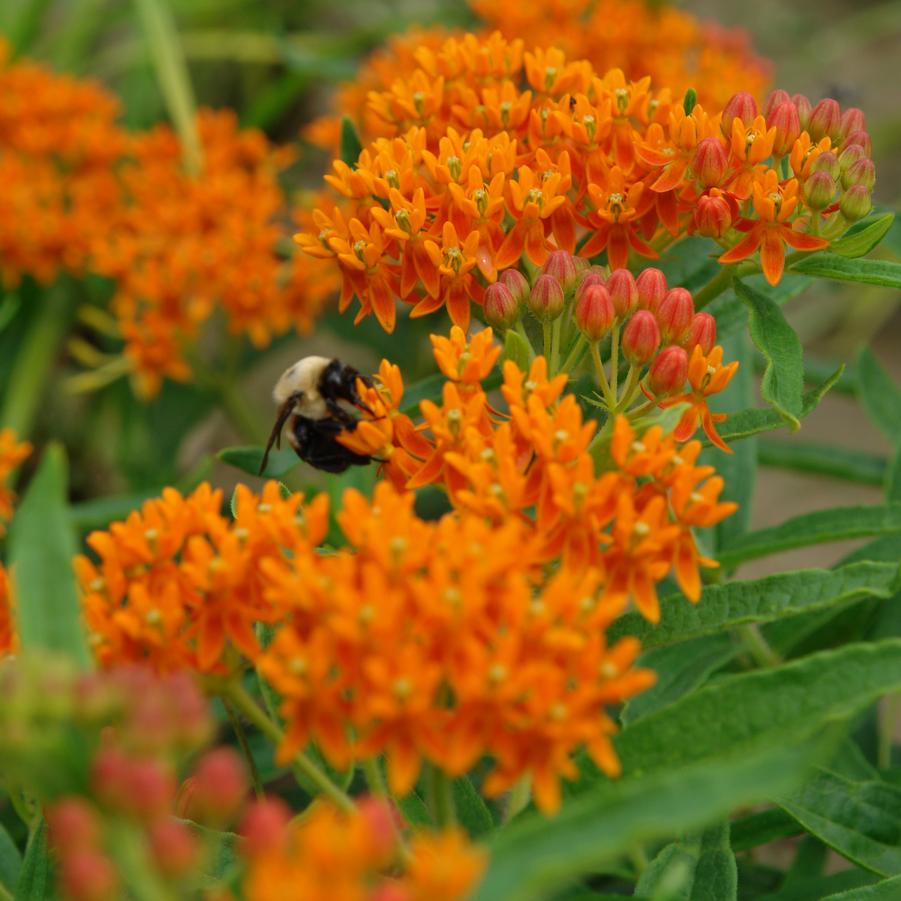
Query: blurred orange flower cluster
{"points": [[488, 152], [85, 195], [12, 453], [329, 855]]}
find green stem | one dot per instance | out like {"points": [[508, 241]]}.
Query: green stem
{"points": [[757, 646], [241, 736], [239, 412], [236, 693], [27, 25], [887, 715], [719, 283], [629, 388], [519, 797], [609, 398], [639, 859], [574, 355], [546, 329], [521, 331], [614, 361], [441, 799], [374, 778], [555, 346], [5, 894], [27, 383], [172, 74]]}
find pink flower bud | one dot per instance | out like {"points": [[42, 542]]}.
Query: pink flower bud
{"points": [[623, 291], [641, 338], [594, 312], [863, 172], [546, 300], [264, 825], [861, 138], [562, 266], [775, 98], [383, 822], [826, 162], [856, 203], [712, 216], [788, 127], [702, 332], [651, 284], [739, 106], [853, 119], [88, 876], [668, 372], [819, 190], [710, 162], [500, 306], [220, 786], [73, 824], [826, 119], [804, 107], [173, 846], [675, 313], [517, 285]]}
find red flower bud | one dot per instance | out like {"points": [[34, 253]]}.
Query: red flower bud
{"points": [[173, 846], [710, 162], [588, 278], [88, 876], [562, 266], [264, 825], [500, 306], [702, 332], [826, 162], [853, 119], [594, 312], [546, 299], [804, 107], [863, 172], [712, 216], [623, 291], [856, 203], [861, 138], [739, 106], [819, 190], [826, 119], [651, 284], [675, 313], [220, 786], [641, 338], [516, 283], [73, 825], [776, 98], [788, 127], [668, 372]]}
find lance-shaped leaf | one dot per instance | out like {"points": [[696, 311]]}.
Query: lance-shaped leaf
{"points": [[880, 395], [863, 236], [886, 890], [824, 459], [869, 272], [350, 142], [248, 459]]}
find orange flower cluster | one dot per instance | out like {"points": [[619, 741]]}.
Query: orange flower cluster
{"points": [[179, 585], [7, 624], [639, 37], [490, 152], [12, 453], [333, 856]]}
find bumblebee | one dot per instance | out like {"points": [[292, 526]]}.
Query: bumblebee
{"points": [[309, 396]]}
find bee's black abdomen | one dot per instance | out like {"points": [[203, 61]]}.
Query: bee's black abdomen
{"points": [[314, 441]]}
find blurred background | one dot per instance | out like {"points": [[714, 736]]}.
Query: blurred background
{"points": [[278, 63]]}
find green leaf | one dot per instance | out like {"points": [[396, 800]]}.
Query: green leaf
{"points": [[824, 459], [351, 148], [763, 600], [864, 236], [472, 811], [880, 396], [431, 387], [753, 422], [817, 887], [415, 810], [41, 548], [893, 479], [689, 101], [886, 890], [701, 868], [861, 820], [10, 861], [765, 708], [248, 459], [730, 311], [531, 857], [762, 828], [680, 669], [783, 379], [517, 349], [35, 878], [869, 272]]}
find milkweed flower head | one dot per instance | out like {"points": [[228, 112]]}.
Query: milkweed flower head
{"points": [[12, 453]]}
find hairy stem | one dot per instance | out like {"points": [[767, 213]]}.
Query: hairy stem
{"points": [[757, 646], [719, 283], [441, 799], [519, 797], [609, 397]]}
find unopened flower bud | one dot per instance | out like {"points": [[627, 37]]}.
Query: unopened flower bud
{"points": [[819, 190], [710, 162], [220, 786], [73, 824], [853, 119], [173, 846], [675, 313], [623, 291], [856, 203], [88, 876], [784, 118], [589, 278], [863, 172], [774, 99], [516, 283], [826, 119], [827, 161], [849, 156], [562, 266], [702, 333], [264, 825], [546, 299], [651, 284], [805, 108], [668, 372], [500, 306], [641, 338], [712, 216], [739, 106], [383, 821], [594, 312], [860, 138]]}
